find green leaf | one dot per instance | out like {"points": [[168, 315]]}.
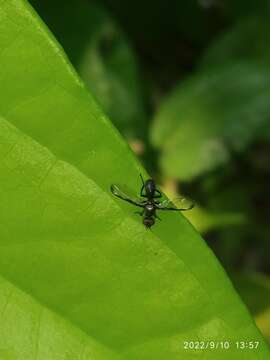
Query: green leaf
{"points": [[248, 39], [103, 58], [40, 333], [106, 284], [209, 115]]}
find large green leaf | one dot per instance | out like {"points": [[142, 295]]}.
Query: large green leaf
{"points": [[209, 115], [68, 248], [29, 330]]}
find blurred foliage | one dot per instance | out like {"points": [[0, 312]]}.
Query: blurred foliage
{"points": [[255, 292], [207, 116], [191, 81], [247, 39], [258, 300], [205, 219], [102, 56], [236, 9]]}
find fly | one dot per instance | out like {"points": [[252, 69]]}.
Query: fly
{"points": [[150, 201]]}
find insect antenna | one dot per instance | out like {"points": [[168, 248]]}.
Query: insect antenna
{"points": [[142, 179]]}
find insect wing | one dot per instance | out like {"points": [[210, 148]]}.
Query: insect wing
{"points": [[179, 203], [124, 193]]}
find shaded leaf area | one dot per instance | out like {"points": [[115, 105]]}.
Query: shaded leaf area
{"points": [[206, 118], [103, 58], [69, 245]]}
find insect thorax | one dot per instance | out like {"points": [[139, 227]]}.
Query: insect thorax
{"points": [[150, 187], [149, 207]]}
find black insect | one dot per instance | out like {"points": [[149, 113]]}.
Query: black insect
{"points": [[150, 201]]}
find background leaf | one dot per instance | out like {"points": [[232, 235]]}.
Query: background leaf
{"points": [[206, 117], [247, 39]]}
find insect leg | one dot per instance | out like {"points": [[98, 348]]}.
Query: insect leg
{"points": [[141, 193], [139, 212], [143, 186], [176, 209], [115, 192], [159, 195], [142, 179]]}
